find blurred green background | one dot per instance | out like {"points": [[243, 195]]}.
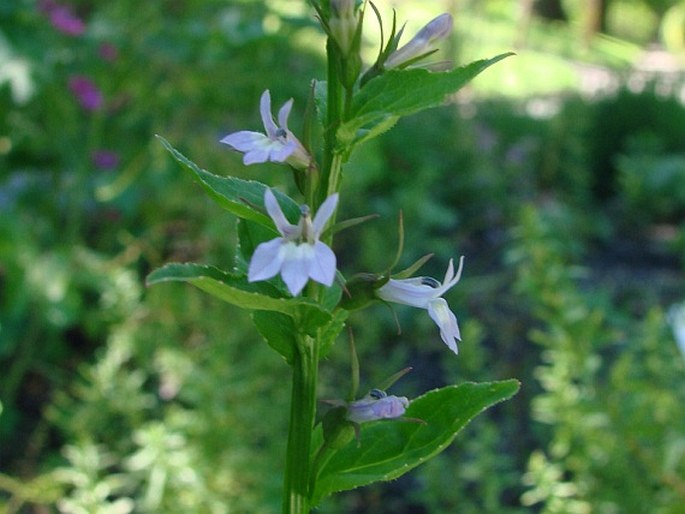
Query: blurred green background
{"points": [[559, 174]]}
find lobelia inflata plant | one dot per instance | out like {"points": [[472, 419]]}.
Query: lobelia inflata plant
{"points": [[287, 274]]}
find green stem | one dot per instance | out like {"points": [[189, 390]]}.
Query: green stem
{"points": [[335, 175], [302, 415], [334, 107]]}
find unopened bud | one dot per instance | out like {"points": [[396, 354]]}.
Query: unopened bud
{"points": [[376, 405], [424, 42], [343, 24]]}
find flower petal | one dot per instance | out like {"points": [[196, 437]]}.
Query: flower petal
{"points": [[245, 140], [410, 291], [255, 156], [283, 114], [322, 264], [265, 111], [326, 210], [274, 209], [450, 277], [445, 319], [281, 151], [295, 268], [266, 260]]}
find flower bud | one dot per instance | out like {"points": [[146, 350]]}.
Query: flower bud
{"points": [[376, 405], [343, 24], [423, 43]]}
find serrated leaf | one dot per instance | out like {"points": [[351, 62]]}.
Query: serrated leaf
{"points": [[330, 332], [236, 290], [398, 93], [244, 198], [390, 448], [376, 129], [278, 330]]}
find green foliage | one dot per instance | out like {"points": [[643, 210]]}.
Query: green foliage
{"points": [[390, 449], [401, 93], [622, 121], [608, 390], [237, 291], [239, 197], [120, 399], [652, 184]]}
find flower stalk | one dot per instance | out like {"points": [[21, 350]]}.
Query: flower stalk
{"points": [[296, 499]]}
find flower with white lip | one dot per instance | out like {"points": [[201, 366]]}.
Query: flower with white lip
{"points": [[376, 405], [297, 255], [426, 293], [279, 144]]}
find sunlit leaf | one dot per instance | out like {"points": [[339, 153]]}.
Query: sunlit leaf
{"points": [[235, 289], [398, 93], [244, 198], [390, 448]]}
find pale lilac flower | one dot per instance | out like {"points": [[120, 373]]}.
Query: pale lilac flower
{"points": [[86, 92], [425, 41], [426, 293], [279, 144], [376, 405], [297, 255]]}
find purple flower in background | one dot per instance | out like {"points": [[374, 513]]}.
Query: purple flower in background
{"points": [[105, 159], [108, 52], [86, 92], [62, 18], [376, 405]]}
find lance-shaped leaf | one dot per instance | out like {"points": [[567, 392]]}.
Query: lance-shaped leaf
{"points": [[398, 93], [389, 449], [244, 198], [237, 291]]}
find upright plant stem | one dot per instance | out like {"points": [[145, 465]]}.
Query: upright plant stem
{"points": [[298, 465], [302, 414], [334, 106]]}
